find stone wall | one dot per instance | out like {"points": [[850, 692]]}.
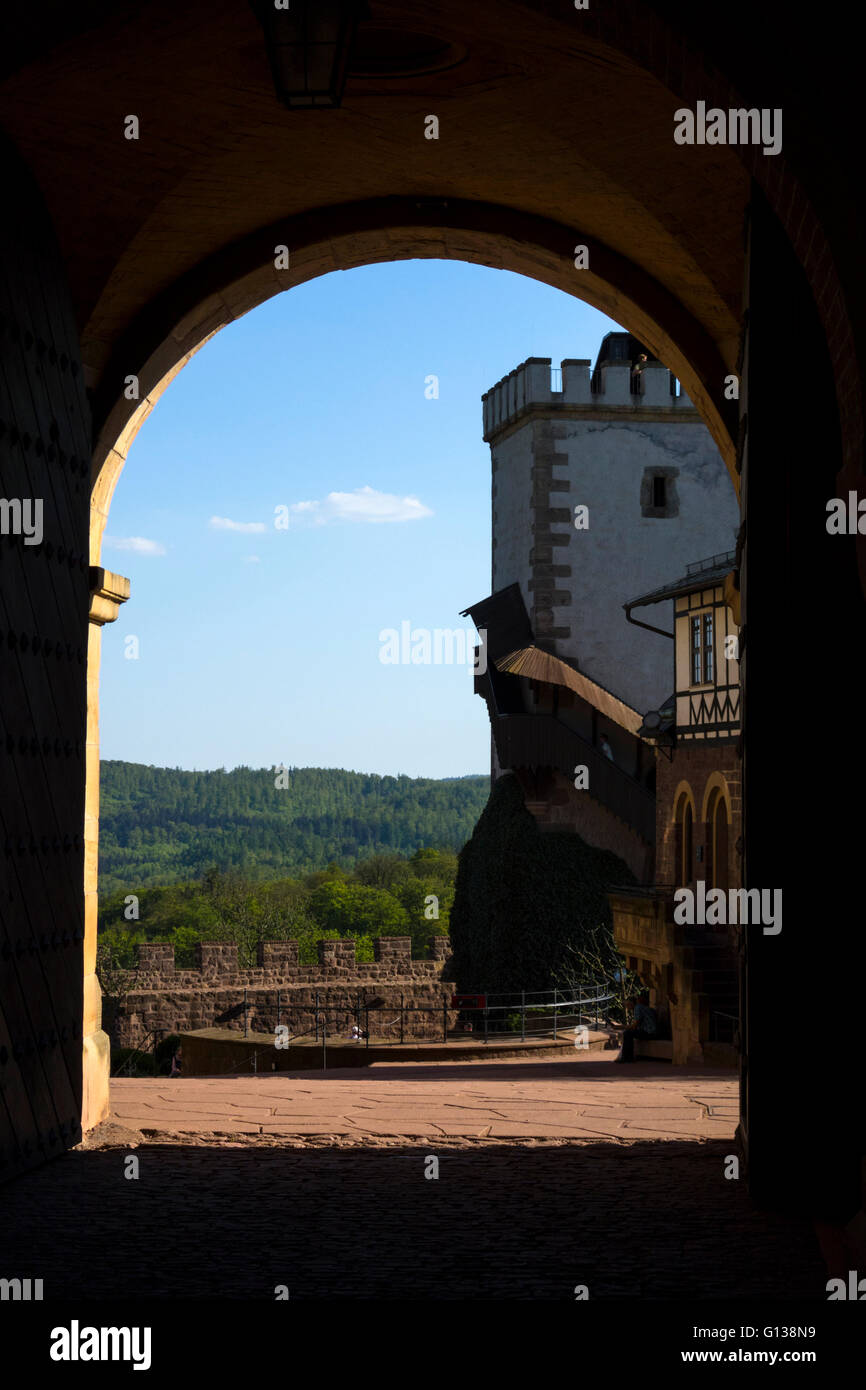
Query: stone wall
{"points": [[156, 997], [53, 1054], [654, 946]]}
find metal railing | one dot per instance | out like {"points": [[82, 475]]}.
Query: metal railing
{"points": [[711, 562], [499, 1015], [146, 1048], [546, 1015]]}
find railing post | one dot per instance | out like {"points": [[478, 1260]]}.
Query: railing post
{"points": [[445, 1018], [279, 1007], [401, 1015], [554, 1015], [485, 1018], [367, 1026], [317, 1015], [523, 1015], [246, 1016], [324, 1043]]}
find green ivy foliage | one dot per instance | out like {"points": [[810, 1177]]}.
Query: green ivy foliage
{"points": [[523, 897]]}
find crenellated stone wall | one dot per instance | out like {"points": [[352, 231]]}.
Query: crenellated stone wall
{"points": [[532, 384], [156, 997]]}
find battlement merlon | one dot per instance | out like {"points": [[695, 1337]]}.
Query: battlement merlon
{"points": [[219, 960], [530, 386]]}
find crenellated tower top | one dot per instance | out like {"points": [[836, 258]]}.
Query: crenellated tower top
{"points": [[575, 388]]}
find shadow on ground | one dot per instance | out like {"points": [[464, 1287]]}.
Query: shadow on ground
{"points": [[507, 1070], [650, 1220], [511, 1069]]}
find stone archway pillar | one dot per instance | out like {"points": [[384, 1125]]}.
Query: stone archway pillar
{"points": [[107, 592]]}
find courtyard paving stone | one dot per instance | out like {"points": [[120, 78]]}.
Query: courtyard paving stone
{"points": [[530, 1099], [550, 1175]]}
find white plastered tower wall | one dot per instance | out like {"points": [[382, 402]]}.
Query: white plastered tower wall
{"points": [[597, 444]]}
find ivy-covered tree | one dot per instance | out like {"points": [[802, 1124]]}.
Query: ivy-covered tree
{"points": [[524, 897]]}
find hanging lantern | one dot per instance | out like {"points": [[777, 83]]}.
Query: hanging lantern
{"points": [[309, 44]]}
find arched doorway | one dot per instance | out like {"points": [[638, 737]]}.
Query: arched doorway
{"points": [[560, 115], [155, 347]]}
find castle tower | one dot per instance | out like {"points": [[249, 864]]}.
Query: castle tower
{"points": [[634, 452], [604, 482]]}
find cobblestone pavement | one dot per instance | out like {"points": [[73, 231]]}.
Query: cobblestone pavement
{"points": [[352, 1216]]}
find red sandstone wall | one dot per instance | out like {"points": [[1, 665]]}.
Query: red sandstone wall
{"points": [[158, 997]]}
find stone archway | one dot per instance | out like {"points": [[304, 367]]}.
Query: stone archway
{"points": [[234, 282], [558, 116], [227, 286]]}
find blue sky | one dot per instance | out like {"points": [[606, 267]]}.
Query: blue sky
{"points": [[262, 646]]}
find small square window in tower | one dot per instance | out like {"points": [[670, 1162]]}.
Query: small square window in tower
{"points": [[658, 492]]}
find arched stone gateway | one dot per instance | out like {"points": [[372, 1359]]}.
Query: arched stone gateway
{"points": [[555, 131], [232, 282]]}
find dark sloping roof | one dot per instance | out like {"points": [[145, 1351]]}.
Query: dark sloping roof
{"points": [[704, 574], [504, 618], [537, 665]]}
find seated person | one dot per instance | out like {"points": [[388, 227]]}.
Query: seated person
{"points": [[644, 1024]]}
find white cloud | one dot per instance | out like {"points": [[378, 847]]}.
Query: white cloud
{"points": [[139, 544], [364, 504], [252, 560], [222, 523]]}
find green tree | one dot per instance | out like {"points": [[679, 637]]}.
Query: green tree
{"points": [[351, 908]]}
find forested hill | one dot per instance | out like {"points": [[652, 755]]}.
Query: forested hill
{"points": [[160, 825]]}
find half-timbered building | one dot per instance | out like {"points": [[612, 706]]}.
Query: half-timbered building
{"points": [[692, 970]]}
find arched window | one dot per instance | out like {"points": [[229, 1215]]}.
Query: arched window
{"points": [[688, 843], [717, 840], [684, 841]]}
